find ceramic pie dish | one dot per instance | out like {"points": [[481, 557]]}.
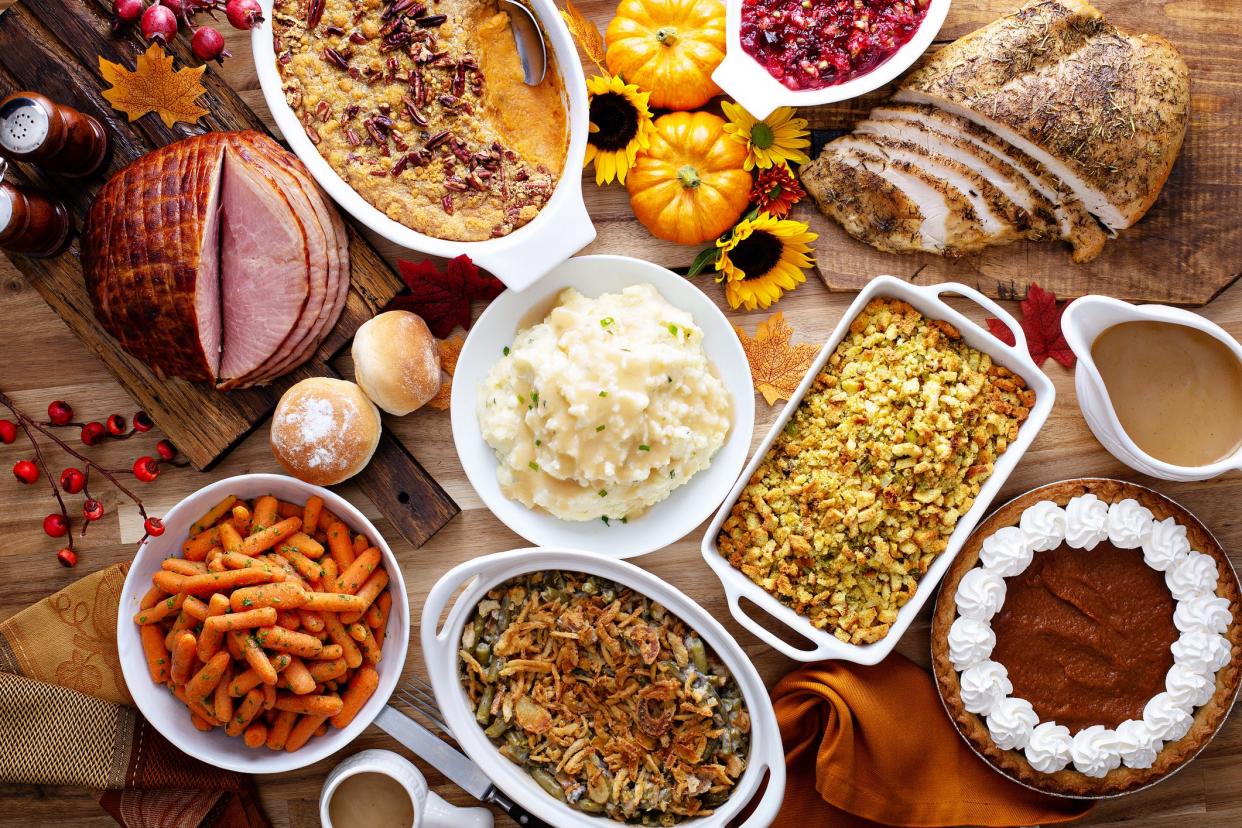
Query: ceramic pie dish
{"points": [[928, 301], [1095, 672], [560, 229], [440, 640], [167, 714]]}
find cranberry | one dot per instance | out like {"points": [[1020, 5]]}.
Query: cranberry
{"points": [[72, 480], [243, 14], [115, 425], [146, 469], [8, 431], [26, 471], [127, 11], [154, 526], [208, 44], [67, 557], [92, 432], [143, 422], [55, 525], [159, 24], [92, 509], [166, 450], [59, 412], [177, 7]]}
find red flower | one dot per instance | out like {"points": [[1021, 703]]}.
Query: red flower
{"points": [[776, 190]]}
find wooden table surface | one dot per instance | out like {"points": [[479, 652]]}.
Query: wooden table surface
{"points": [[41, 361]]}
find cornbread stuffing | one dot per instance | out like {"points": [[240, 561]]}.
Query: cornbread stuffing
{"points": [[890, 446], [611, 704]]}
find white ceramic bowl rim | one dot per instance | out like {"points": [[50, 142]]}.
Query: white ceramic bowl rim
{"points": [[1072, 329], [439, 642], [562, 227], [167, 714], [689, 504], [749, 82], [927, 300]]}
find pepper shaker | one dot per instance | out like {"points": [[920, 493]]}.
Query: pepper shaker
{"points": [[30, 223], [60, 139]]}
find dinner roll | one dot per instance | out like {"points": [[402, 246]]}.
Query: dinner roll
{"points": [[396, 361], [325, 430]]}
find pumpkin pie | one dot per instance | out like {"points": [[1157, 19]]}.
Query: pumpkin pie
{"points": [[1085, 641]]}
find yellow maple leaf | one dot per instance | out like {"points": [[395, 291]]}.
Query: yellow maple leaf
{"points": [[776, 366], [154, 86], [450, 350], [586, 33]]}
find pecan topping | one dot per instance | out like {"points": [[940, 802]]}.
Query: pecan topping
{"points": [[323, 111], [357, 37], [437, 139], [431, 21], [334, 31], [447, 204], [334, 57], [315, 13], [412, 111]]}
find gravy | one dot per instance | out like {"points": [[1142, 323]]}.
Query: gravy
{"points": [[370, 800], [1177, 390]]}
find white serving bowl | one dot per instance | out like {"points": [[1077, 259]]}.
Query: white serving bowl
{"points": [[440, 646], [746, 80], [562, 227], [689, 504], [1086, 318], [167, 714], [927, 301]]}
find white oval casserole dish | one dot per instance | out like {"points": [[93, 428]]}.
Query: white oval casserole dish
{"points": [[927, 301], [440, 646], [562, 227], [167, 713]]}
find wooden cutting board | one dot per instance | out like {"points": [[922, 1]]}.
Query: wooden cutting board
{"points": [[1188, 247], [53, 46]]}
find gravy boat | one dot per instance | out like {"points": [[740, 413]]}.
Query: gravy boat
{"points": [[1084, 320]]}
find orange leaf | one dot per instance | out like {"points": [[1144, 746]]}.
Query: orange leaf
{"points": [[776, 366], [450, 350], [154, 86], [586, 33]]}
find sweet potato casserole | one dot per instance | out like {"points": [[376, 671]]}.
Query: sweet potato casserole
{"points": [[420, 106], [610, 703], [886, 452]]}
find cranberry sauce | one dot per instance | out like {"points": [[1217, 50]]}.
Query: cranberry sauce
{"points": [[810, 44]]}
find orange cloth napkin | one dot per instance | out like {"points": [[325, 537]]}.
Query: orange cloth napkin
{"points": [[66, 718], [871, 746]]}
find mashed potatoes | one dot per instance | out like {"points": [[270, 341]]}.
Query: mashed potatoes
{"points": [[604, 407]]}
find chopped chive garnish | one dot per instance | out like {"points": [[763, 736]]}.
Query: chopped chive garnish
{"points": [[605, 322], [672, 329], [603, 393], [600, 428], [604, 518], [603, 493], [644, 447], [533, 465], [506, 351]]}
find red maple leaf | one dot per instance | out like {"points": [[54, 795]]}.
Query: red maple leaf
{"points": [[1041, 322], [443, 299]]}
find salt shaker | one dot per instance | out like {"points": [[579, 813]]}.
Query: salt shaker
{"points": [[58, 138], [30, 223]]}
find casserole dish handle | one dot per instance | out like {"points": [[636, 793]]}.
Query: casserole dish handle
{"points": [[433, 637], [543, 246], [770, 802], [733, 596], [1019, 337]]}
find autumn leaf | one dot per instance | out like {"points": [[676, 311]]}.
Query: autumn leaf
{"points": [[443, 299], [450, 350], [776, 366], [1041, 322], [586, 33], [154, 86]]}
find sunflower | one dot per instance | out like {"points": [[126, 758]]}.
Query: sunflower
{"points": [[776, 190], [761, 259], [780, 137], [620, 127]]}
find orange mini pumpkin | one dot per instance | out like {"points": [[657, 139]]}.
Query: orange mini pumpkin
{"points": [[689, 186], [668, 47]]}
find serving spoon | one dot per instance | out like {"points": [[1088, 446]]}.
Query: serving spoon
{"points": [[530, 44]]}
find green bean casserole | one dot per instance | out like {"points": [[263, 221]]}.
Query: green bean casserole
{"points": [[611, 703]]}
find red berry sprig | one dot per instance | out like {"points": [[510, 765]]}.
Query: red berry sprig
{"points": [[74, 480], [161, 21]]}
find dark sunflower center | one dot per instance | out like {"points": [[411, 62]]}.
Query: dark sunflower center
{"points": [[617, 120], [757, 254]]}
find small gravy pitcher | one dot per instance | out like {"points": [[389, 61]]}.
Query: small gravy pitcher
{"points": [[1084, 320]]}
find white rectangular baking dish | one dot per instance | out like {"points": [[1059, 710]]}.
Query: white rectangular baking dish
{"points": [[563, 226], [928, 301]]}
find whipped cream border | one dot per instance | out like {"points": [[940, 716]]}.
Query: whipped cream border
{"points": [[1199, 652]]}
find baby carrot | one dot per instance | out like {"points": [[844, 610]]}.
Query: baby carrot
{"points": [[299, 678], [333, 602], [310, 516], [339, 545], [196, 546], [278, 733], [255, 735], [261, 540], [206, 679], [294, 643], [310, 705], [213, 515], [166, 607], [155, 651], [362, 567], [183, 657], [302, 731], [361, 686], [368, 592], [336, 631], [263, 514], [246, 711], [281, 596]]}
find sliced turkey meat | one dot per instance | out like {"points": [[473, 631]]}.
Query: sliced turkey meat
{"points": [[1077, 226], [891, 204], [1104, 111]]}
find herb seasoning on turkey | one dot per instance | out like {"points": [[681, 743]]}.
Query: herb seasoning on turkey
{"points": [[609, 702]]}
